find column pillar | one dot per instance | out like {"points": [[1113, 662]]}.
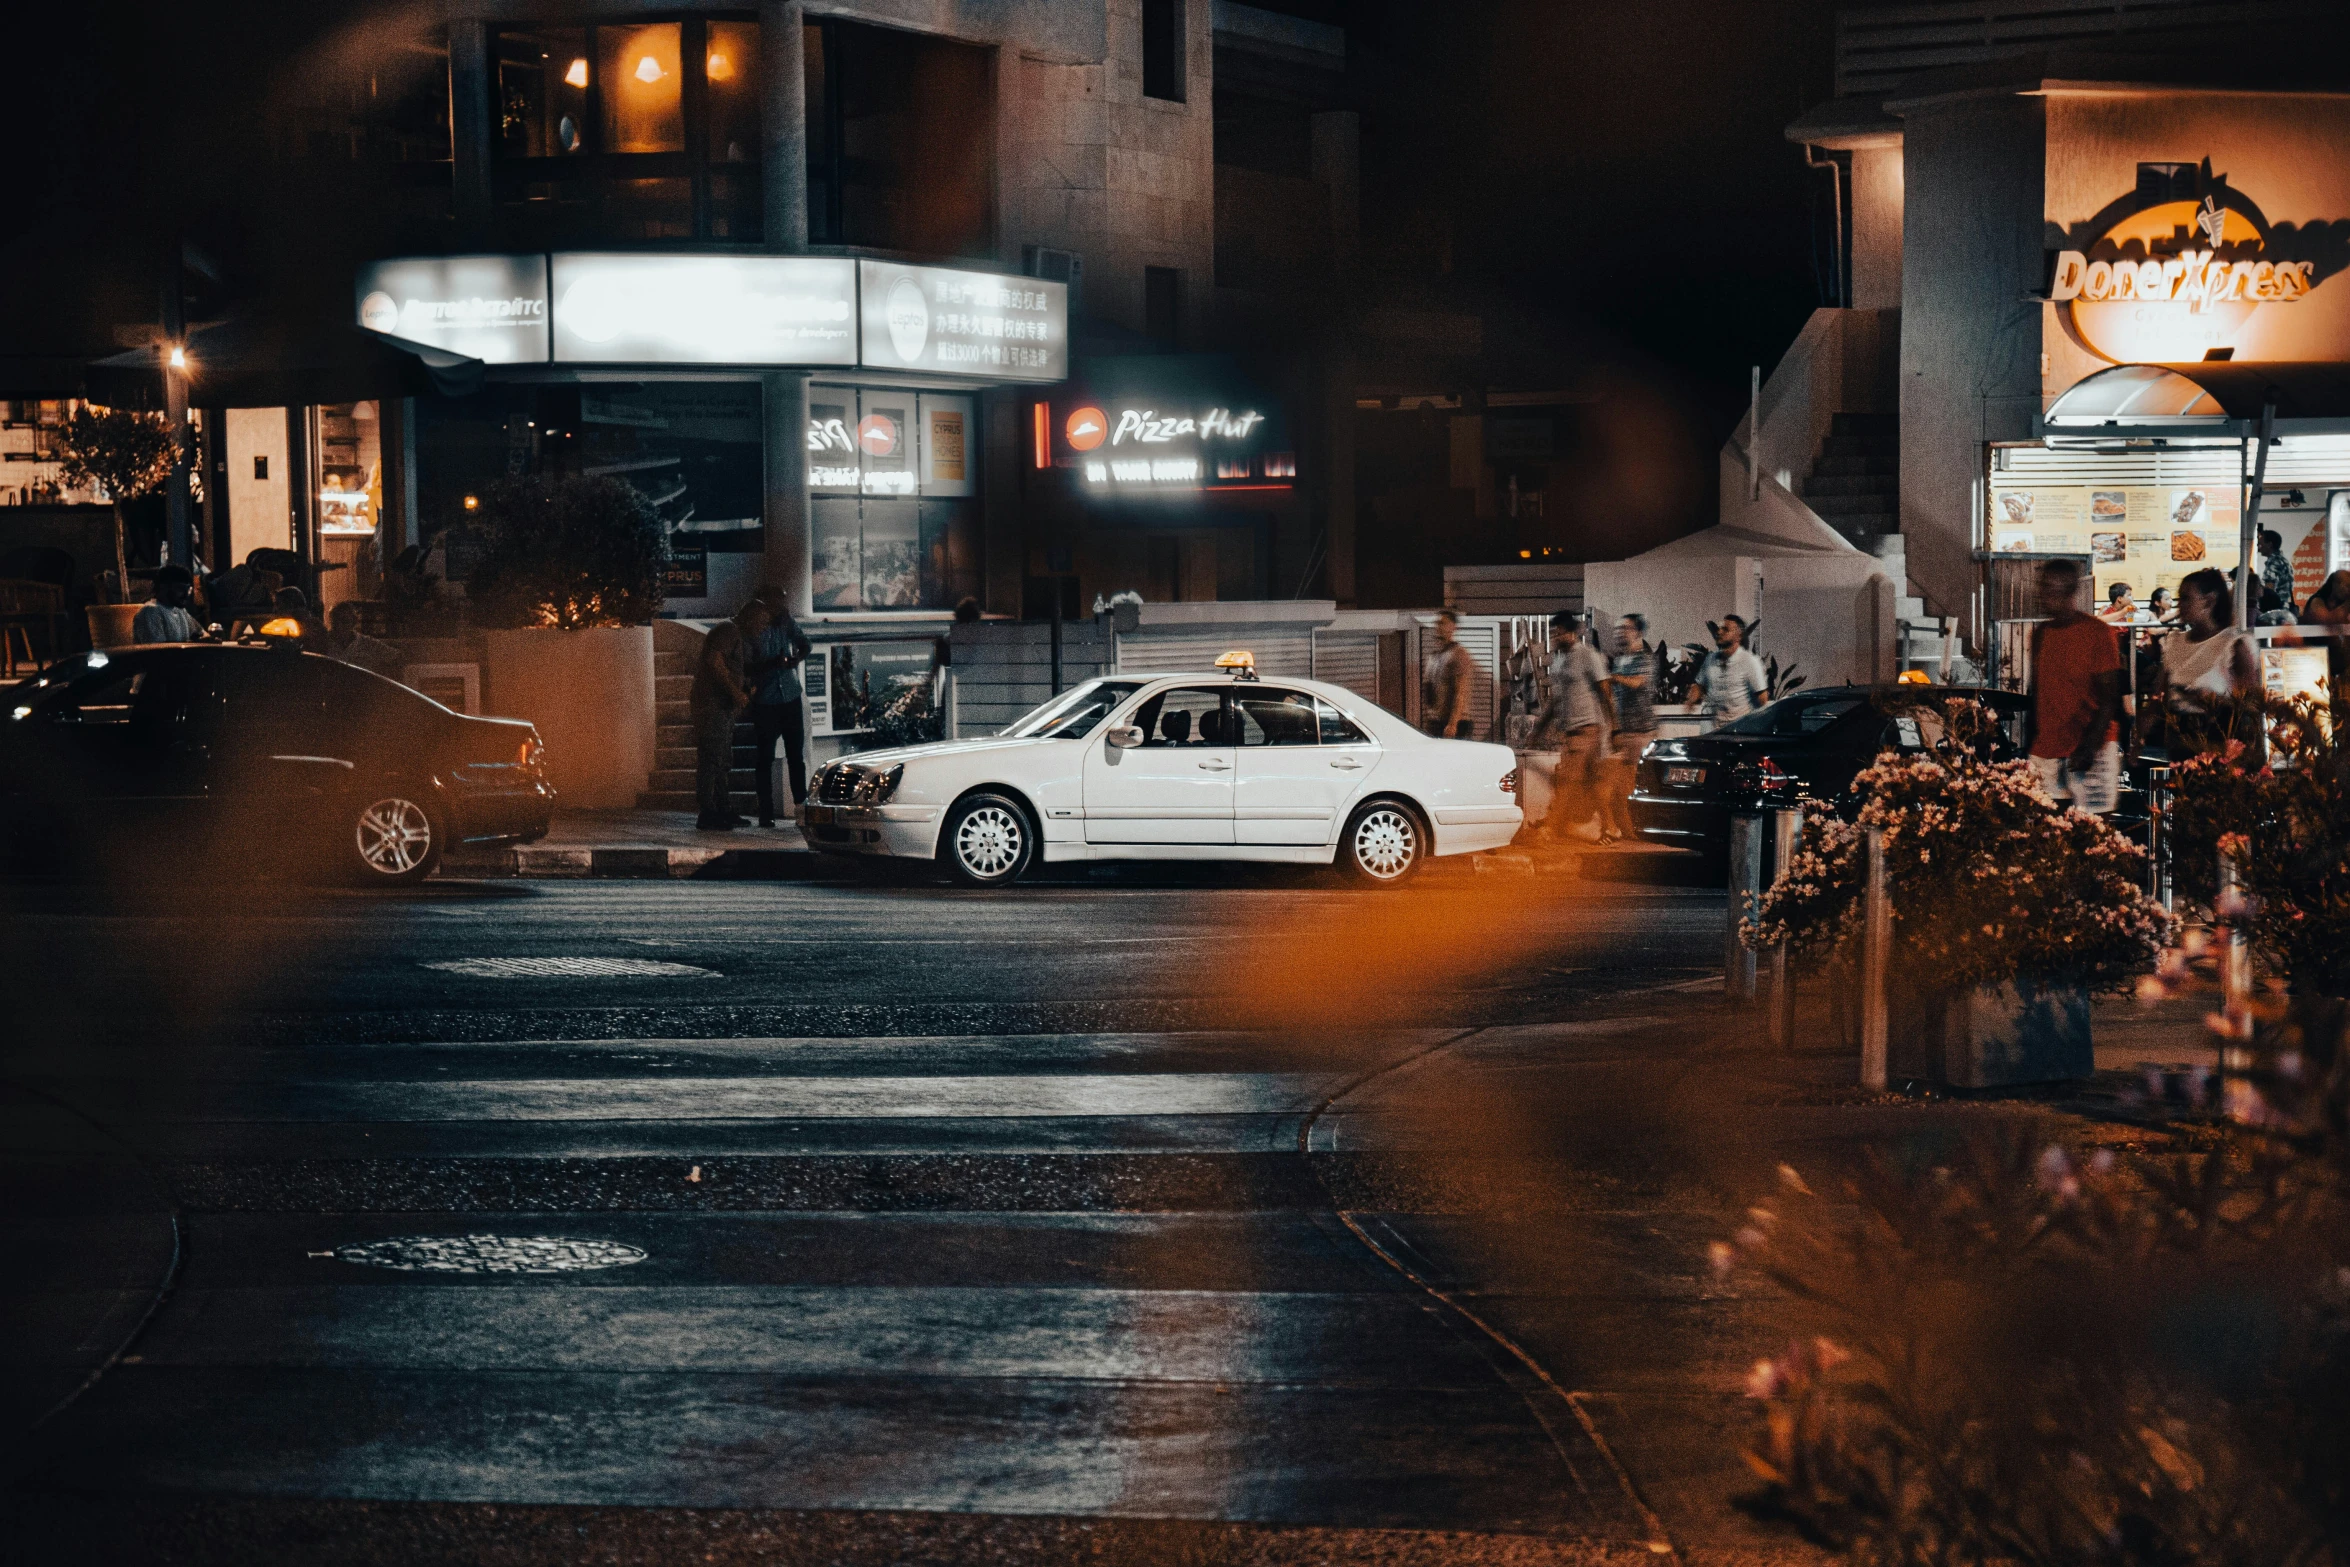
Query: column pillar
{"points": [[783, 167], [783, 171], [469, 128], [1337, 168], [784, 396]]}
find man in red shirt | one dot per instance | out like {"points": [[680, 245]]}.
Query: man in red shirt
{"points": [[2076, 697]]}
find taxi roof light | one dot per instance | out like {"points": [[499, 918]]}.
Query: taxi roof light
{"points": [[1914, 677], [282, 626], [1242, 663]]}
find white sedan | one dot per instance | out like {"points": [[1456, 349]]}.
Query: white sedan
{"points": [[1218, 766]]}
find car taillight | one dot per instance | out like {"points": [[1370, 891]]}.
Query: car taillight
{"points": [[1774, 776], [530, 755], [1509, 782]]}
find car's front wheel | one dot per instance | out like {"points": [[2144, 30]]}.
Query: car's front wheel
{"points": [[1383, 844], [394, 839], [988, 841]]}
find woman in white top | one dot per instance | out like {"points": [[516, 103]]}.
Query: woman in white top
{"points": [[2209, 660]]}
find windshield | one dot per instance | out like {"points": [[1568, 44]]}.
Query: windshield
{"points": [[1074, 714], [1796, 715]]}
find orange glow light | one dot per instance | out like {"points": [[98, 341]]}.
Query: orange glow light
{"points": [[473, 503], [721, 68], [648, 70], [577, 75], [1044, 438]]}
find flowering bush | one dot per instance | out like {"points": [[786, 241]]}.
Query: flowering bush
{"points": [[2286, 822], [1987, 878]]}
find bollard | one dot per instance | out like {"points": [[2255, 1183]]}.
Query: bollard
{"points": [[2158, 838], [1745, 882], [1875, 955], [2235, 975], [1786, 837]]}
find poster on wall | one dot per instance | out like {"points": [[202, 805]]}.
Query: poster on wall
{"points": [[947, 445], [2146, 537], [832, 447], [835, 570], [892, 558], [885, 442]]}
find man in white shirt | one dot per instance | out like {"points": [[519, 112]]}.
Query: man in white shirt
{"points": [[1732, 677], [165, 617]]}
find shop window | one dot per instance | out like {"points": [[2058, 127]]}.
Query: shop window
{"points": [[642, 87], [901, 150], [1162, 49], [894, 517], [628, 131]]}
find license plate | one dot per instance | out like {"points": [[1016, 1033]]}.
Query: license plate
{"points": [[820, 815], [1684, 775]]}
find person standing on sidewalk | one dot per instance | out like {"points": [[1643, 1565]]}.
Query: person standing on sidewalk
{"points": [[2074, 724], [1630, 680], [719, 694], [1731, 676], [1577, 711], [1444, 693], [773, 661]]}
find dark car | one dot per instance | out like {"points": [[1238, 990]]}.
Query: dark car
{"points": [[253, 755], [1806, 747]]}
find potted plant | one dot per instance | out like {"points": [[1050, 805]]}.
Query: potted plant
{"points": [[129, 455], [2009, 910], [565, 589]]}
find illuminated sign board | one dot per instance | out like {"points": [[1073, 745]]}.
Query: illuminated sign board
{"points": [[2169, 280], [1143, 444], [490, 308], [703, 310], [950, 322]]}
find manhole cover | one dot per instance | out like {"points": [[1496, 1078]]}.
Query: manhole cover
{"points": [[572, 968], [490, 1254]]}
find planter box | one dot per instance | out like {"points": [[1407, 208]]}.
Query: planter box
{"points": [[110, 624], [591, 695], [2027, 1030]]}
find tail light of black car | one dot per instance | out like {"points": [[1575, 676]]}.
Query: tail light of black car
{"points": [[1764, 777], [531, 759]]}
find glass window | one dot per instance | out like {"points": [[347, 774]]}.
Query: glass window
{"points": [[642, 87], [102, 699], [1337, 728], [1188, 716], [542, 92], [649, 208], [1796, 715], [835, 566], [733, 70], [1075, 714], [1270, 716], [891, 556]]}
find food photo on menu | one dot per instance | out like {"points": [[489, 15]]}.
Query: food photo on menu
{"points": [[2107, 549], [2109, 505]]}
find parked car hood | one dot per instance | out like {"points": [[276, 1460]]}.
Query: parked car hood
{"points": [[909, 753]]}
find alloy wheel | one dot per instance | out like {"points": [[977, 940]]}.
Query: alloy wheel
{"points": [[1386, 842], [394, 836], [989, 841]]}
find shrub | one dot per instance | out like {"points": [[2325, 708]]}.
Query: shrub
{"points": [[1987, 879], [568, 552]]}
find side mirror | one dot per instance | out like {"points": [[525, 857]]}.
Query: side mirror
{"points": [[1124, 737]]}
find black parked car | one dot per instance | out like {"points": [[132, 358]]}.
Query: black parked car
{"points": [[1807, 747], [253, 755]]}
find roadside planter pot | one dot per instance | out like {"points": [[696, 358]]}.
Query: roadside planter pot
{"points": [[570, 573], [2009, 912], [110, 624], [590, 692]]}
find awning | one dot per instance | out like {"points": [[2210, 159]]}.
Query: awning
{"points": [[246, 363], [2201, 403]]}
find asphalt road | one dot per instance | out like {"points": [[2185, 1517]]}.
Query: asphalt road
{"points": [[652, 1220]]}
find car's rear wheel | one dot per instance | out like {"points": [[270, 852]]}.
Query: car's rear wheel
{"points": [[988, 841], [394, 839], [1384, 843]]}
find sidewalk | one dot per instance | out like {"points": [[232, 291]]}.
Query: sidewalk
{"points": [[648, 844]]}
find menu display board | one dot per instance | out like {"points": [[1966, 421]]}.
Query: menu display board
{"points": [[2147, 537]]}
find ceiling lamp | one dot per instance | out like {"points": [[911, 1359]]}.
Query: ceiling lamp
{"points": [[648, 70], [577, 75], [721, 68]]}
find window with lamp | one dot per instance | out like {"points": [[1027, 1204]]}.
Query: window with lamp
{"points": [[627, 130]]}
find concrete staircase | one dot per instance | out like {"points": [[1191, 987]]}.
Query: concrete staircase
{"points": [[1855, 482], [671, 788]]}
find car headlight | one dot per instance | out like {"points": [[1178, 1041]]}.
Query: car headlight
{"points": [[876, 785]]}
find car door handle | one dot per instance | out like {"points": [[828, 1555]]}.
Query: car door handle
{"points": [[1347, 762], [1217, 767]]}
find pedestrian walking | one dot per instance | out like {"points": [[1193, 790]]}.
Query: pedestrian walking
{"points": [[772, 663], [2276, 571], [165, 617], [1577, 714], [1631, 684], [2074, 723], [719, 694], [1731, 676], [1450, 677]]}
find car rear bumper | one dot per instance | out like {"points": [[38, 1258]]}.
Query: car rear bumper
{"points": [[1682, 824]]}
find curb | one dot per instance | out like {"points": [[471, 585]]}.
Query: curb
{"points": [[643, 863]]}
